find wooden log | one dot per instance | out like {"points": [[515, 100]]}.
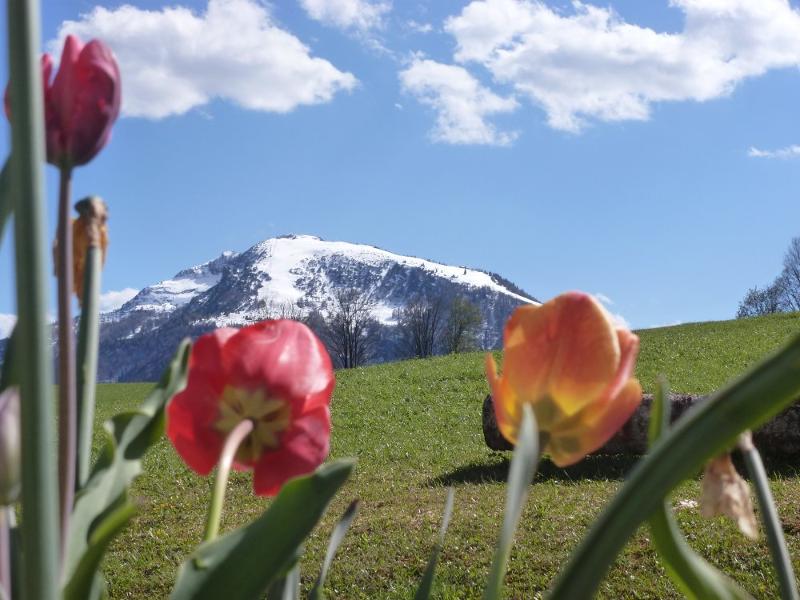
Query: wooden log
{"points": [[779, 438]]}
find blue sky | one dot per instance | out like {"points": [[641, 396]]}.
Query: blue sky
{"points": [[645, 151]]}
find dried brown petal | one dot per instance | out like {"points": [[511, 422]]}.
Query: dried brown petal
{"points": [[726, 493], [88, 230]]}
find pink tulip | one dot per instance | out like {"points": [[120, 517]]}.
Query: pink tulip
{"points": [[82, 102]]}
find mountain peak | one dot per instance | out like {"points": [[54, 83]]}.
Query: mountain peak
{"points": [[300, 270]]}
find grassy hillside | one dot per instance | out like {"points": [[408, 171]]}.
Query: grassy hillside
{"points": [[415, 428], [700, 357]]}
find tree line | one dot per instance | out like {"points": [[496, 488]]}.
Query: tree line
{"points": [[782, 295], [351, 332]]}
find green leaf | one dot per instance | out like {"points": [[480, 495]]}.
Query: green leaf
{"points": [[691, 574], [520, 476], [660, 412], [426, 585], [336, 539], [707, 430], [101, 506], [83, 583], [243, 563]]}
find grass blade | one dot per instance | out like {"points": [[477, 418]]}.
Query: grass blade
{"points": [[336, 539], [520, 476], [690, 573], [706, 431], [426, 585]]}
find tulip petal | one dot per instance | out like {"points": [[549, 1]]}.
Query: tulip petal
{"points": [[566, 349], [587, 354], [190, 418], [593, 427], [629, 352], [506, 407], [191, 413], [285, 356], [303, 448], [207, 355], [98, 103], [66, 84]]}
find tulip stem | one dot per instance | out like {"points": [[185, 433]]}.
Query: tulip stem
{"points": [[39, 531], [67, 418], [769, 516], [232, 443], [5, 551], [88, 336]]}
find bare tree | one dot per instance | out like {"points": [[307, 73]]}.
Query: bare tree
{"points": [[419, 324], [765, 301], [269, 309], [348, 327], [462, 326], [791, 275]]}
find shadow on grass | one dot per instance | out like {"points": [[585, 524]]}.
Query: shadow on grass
{"points": [[612, 467], [598, 468]]}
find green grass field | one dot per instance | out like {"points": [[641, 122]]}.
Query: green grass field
{"points": [[415, 428]]}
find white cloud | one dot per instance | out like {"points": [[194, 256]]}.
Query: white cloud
{"points": [[173, 60], [618, 318], [360, 15], [673, 323], [787, 152], [418, 27], [603, 298], [589, 64], [115, 298], [7, 323], [460, 101], [620, 321]]}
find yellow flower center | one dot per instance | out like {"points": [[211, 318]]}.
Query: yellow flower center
{"points": [[270, 416]]}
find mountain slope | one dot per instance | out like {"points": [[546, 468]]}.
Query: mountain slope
{"points": [[304, 271]]}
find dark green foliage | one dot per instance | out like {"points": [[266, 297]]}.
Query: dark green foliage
{"points": [[244, 562]]}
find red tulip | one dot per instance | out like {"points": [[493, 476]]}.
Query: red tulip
{"points": [[275, 373], [82, 102]]}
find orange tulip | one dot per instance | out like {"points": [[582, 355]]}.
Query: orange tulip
{"points": [[574, 366]]}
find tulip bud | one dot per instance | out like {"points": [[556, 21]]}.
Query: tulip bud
{"points": [[88, 230], [10, 476], [81, 103], [726, 493]]}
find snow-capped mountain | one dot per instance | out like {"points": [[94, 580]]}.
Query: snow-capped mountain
{"points": [[138, 339]]}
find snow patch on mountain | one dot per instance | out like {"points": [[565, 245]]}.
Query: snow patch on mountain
{"points": [[289, 260], [168, 295]]}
